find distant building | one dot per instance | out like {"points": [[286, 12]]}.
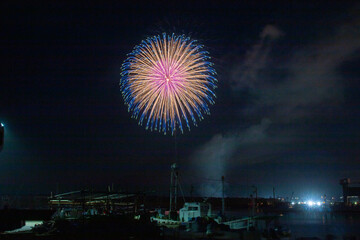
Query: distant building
{"points": [[351, 191]]}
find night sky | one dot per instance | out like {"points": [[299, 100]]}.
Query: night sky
{"points": [[286, 114]]}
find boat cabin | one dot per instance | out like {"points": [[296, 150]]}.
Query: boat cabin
{"points": [[193, 210]]}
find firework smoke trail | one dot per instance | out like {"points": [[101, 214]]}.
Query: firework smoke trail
{"points": [[168, 81]]}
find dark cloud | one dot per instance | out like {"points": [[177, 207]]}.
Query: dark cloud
{"points": [[287, 104]]}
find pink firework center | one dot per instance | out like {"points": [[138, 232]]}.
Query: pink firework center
{"points": [[168, 81]]}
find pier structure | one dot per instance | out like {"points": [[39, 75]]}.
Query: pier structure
{"points": [[98, 202]]}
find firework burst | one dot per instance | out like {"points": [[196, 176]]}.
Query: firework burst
{"points": [[167, 81]]}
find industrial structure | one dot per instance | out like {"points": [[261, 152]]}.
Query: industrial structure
{"points": [[351, 191]]}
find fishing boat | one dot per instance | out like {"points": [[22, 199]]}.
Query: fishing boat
{"points": [[193, 211], [190, 211]]}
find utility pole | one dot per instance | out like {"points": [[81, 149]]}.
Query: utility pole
{"points": [[2, 133], [273, 196], [252, 205], [191, 192], [255, 200], [223, 196]]}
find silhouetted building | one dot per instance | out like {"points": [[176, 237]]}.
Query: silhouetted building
{"points": [[351, 191]]}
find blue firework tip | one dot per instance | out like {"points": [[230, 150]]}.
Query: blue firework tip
{"points": [[167, 124]]}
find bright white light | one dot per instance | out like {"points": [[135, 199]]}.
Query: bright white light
{"points": [[299, 202], [310, 203], [2, 125], [292, 203], [318, 203]]}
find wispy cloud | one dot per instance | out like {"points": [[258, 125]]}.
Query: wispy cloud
{"points": [[256, 58], [313, 76]]}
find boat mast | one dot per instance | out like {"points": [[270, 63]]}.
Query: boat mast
{"points": [[173, 187]]}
